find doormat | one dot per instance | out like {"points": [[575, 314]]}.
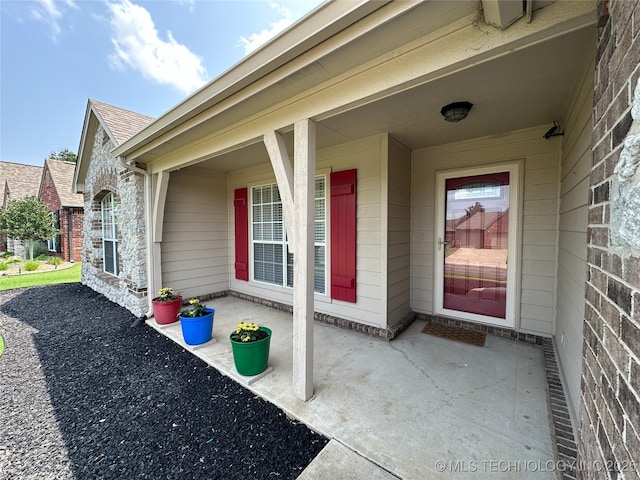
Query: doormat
{"points": [[457, 334]]}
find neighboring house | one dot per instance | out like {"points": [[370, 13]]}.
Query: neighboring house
{"points": [[113, 264], [205, 202], [66, 207], [483, 230], [17, 181]]}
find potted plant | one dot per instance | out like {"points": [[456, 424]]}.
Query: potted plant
{"points": [[197, 323], [250, 347], [166, 306]]}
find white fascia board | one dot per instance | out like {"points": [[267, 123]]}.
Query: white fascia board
{"points": [[84, 150]]}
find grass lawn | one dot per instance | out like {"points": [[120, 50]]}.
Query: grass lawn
{"points": [[66, 275]]}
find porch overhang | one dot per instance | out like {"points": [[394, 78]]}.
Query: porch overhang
{"points": [[331, 85], [386, 69]]}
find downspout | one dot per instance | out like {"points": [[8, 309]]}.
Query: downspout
{"points": [[148, 231]]}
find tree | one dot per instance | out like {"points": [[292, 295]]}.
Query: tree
{"points": [[64, 154], [29, 220], [473, 209]]}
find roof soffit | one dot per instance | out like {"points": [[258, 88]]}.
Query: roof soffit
{"points": [[426, 55], [287, 54]]}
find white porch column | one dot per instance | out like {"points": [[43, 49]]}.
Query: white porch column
{"points": [[305, 181], [161, 185], [297, 190]]}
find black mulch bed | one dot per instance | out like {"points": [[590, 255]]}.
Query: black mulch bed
{"points": [[132, 404]]}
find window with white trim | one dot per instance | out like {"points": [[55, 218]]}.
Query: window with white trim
{"points": [[272, 261], [109, 207], [52, 243]]}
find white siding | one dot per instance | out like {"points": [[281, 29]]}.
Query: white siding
{"points": [[195, 238], [572, 247], [539, 222], [366, 156], [399, 232]]}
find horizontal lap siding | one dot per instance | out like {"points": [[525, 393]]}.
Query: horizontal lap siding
{"points": [[572, 241], [195, 238], [539, 222], [365, 156], [398, 233]]}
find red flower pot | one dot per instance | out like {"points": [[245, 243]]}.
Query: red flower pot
{"points": [[166, 312]]}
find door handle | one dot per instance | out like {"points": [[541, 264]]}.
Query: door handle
{"points": [[441, 243]]}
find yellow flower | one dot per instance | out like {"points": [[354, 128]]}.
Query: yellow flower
{"points": [[194, 301]]}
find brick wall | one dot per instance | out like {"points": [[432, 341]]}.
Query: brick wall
{"points": [[49, 196], [609, 438], [71, 240]]}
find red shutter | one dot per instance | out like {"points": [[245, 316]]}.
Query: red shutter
{"points": [[343, 235], [240, 203]]}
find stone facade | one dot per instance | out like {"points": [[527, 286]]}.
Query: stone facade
{"points": [[106, 175], [609, 438]]}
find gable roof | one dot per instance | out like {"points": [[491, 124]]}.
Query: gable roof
{"points": [[481, 220], [61, 173], [22, 180], [120, 124]]}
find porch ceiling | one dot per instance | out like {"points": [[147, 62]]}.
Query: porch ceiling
{"points": [[529, 87]]}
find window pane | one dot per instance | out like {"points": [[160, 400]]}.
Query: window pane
{"points": [[267, 231], [116, 266], [319, 270], [278, 231], [109, 212], [258, 252], [277, 212], [109, 260], [289, 268], [319, 209], [267, 261]]}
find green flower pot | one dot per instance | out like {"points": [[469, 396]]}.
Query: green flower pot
{"points": [[251, 358]]}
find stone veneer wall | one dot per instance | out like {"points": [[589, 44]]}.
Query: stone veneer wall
{"points": [[609, 435], [104, 175]]}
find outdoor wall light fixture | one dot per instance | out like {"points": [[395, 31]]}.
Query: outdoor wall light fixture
{"points": [[456, 111]]}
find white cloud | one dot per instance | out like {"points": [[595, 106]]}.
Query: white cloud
{"points": [[48, 11], [137, 46], [191, 3], [256, 40]]}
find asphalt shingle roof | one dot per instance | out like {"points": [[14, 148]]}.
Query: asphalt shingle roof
{"points": [[121, 123], [480, 221], [23, 180], [62, 177]]}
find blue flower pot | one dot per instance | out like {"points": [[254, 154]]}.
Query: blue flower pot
{"points": [[197, 330]]}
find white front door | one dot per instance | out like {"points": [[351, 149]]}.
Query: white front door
{"points": [[476, 244]]}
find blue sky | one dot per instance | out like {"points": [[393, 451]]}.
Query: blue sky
{"points": [[144, 56]]}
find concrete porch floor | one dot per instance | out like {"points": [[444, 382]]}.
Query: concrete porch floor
{"points": [[418, 407]]}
